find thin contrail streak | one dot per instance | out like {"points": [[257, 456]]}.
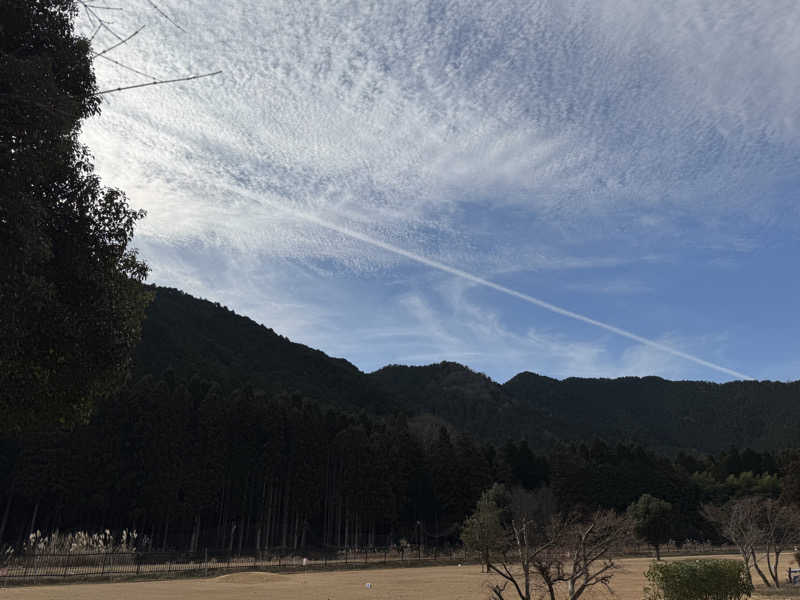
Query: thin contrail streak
{"points": [[496, 286]]}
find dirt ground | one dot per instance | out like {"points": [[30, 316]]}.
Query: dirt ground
{"points": [[428, 583]]}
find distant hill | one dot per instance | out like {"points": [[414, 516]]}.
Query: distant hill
{"points": [[197, 336], [669, 415]]}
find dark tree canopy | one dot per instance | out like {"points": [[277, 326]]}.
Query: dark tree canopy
{"points": [[70, 291], [653, 521]]}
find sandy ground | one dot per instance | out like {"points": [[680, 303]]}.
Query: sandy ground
{"points": [[429, 583]]}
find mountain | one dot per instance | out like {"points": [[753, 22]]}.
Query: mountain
{"points": [[669, 415], [193, 336], [471, 401]]}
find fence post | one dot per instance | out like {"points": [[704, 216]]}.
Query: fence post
{"points": [[205, 562]]}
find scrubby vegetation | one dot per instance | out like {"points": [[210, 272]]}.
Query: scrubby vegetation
{"points": [[708, 579]]}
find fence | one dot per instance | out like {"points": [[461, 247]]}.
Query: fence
{"points": [[34, 568]]}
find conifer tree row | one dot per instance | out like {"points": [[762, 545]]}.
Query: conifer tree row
{"points": [[192, 466]]}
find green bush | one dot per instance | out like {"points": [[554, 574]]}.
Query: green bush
{"points": [[708, 579]]}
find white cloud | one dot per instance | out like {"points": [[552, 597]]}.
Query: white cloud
{"points": [[392, 115], [498, 137]]}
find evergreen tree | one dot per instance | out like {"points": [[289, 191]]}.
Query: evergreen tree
{"points": [[484, 530], [70, 292], [652, 518]]}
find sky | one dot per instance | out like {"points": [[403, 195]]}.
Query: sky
{"points": [[484, 182]]}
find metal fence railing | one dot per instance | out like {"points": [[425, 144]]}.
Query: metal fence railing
{"points": [[36, 567], [31, 568]]}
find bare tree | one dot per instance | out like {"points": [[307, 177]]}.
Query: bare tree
{"points": [[527, 533], [539, 543], [740, 522], [583, 552], [780, 526]]}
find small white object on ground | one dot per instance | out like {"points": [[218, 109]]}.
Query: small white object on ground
{"points": [[369, 586]]}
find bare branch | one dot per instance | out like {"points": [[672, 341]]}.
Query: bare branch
{"points": [[163, 14], [118, 44], [96, 31], [103, 23], [130, 87], [124, 66]]}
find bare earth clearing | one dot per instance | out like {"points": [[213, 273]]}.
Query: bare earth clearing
{"points": [[428, 583]]}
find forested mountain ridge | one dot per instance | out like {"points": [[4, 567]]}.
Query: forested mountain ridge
{"points": [[191, 336], [669, 415], [231, 436]]}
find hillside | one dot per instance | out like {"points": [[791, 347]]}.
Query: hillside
{"points": [[193, 336], [670, 415], [196, 336]]}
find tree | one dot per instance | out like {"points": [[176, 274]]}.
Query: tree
{"points": [[740, 522], [483, 531], [652, 519], [70, 291], [781, 530], [582, 552], [531, 537]]}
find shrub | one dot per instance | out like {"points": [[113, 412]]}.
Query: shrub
{"points": [[708, 579]]}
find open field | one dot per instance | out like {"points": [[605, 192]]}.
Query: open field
{"points": [[425, 583]]}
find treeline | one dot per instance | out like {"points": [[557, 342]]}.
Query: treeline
{"points": [[191, 466]]}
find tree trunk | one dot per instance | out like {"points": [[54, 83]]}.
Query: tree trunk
{"points": [[268, 531], [195, 533], [551, 590], [33, 518], [6, 512], [526, 568], [772, 567], [758, 569], [232, 537], [285, 509], [304, 529], [658, 551], [166, 533]]}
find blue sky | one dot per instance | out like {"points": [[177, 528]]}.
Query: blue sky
{"points": [[636, 163]]}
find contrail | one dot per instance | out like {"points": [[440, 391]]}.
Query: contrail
{"points": [[490, 284]]}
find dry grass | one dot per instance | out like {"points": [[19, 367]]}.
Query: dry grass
{"points": [[426, 583]]}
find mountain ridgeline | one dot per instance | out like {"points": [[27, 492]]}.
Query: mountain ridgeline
{"points": [[193, 336]]}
